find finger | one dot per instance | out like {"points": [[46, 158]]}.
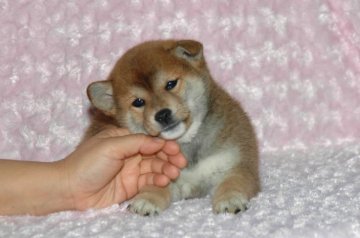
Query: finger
{"points": [[129, 145], [161, 155], [112, 131], [132, 163], [161, 180], [146, 165], [159, 166], [153, 179], [171, 148], [171, 171], [178, 160]]}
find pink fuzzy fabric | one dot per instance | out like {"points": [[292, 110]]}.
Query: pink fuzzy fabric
{"points": [[293, 64]]}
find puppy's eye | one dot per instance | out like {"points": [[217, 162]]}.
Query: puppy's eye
{"points": [[171, 84], [138, 102]]}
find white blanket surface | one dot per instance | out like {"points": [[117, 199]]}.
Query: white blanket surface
{"points": [[313, 195]]}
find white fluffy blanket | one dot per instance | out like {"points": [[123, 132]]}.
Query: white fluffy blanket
{"points": [[294, 65], [310, 195]]}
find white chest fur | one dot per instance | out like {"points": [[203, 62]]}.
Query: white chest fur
{"points": [[203, 177]]}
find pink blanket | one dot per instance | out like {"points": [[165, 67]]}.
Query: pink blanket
{"points": [[294, 65]]}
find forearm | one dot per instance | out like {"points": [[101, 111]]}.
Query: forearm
{"points": [[34, 188]]}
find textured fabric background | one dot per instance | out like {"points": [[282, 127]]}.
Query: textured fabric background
{"points": [[294, 65]]}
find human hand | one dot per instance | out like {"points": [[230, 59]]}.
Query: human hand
{"points": [[113, 166]]}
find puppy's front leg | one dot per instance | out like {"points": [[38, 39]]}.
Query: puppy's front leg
{"points": [[151, 201], [234, 192]]}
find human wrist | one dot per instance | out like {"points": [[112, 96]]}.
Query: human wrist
{"points": [[49, 193], [63, 188]]}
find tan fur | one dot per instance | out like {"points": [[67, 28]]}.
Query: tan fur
{"points": [[219, 141], [159, 197], [240, 181]]}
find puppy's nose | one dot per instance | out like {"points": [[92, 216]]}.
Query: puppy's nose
{"points": [[163, 116]]}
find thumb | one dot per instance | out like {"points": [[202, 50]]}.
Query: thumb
{"points": [[130, 145]]}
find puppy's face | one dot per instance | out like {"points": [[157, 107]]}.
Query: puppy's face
{"points": [[157, 88]]}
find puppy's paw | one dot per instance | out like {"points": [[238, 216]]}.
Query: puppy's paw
{"points": [[144, 207], [230, 202], [184, 190], [148, 204]]}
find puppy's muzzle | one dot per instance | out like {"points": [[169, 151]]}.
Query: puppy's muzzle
{"points": [[165, 118]]}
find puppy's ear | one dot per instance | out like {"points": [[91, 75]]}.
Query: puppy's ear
{"points": [[189, 50], [101, 96]]}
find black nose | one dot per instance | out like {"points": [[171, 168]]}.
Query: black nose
{"points": [[163, 116]]}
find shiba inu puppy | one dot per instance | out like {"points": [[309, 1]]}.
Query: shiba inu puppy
{"points": [[164, 89]]}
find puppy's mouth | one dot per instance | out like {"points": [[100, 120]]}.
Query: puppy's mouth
{"points": [[173, 131], [171, 126]]}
